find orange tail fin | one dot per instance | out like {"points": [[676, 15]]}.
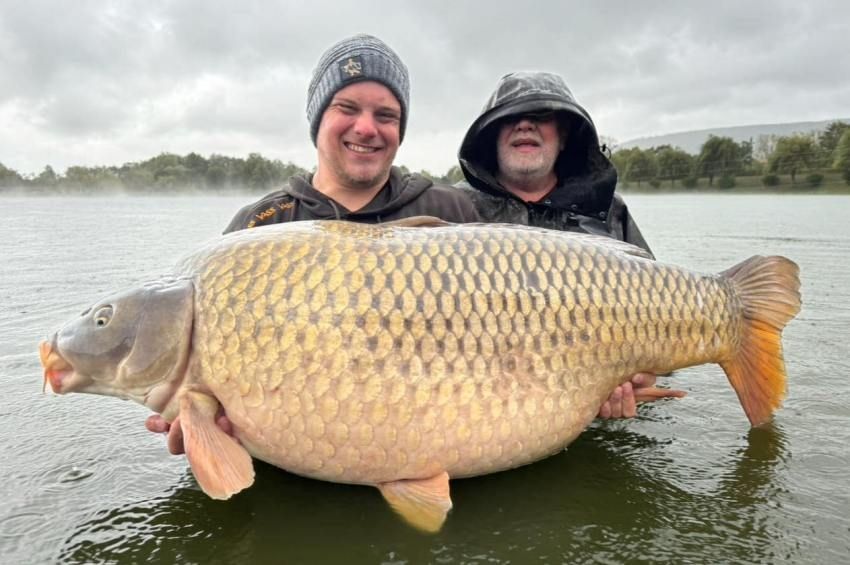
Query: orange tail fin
{"points": [[769, 289]]}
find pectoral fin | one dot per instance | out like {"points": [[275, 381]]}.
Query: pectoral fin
{"points": [[220, 464], [424, 503]]}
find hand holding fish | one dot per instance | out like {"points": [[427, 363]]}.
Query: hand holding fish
{"points": [[157, 424], [623, 401]]}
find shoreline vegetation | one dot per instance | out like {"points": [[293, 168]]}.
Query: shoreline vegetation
{"points": [[815, 163]]}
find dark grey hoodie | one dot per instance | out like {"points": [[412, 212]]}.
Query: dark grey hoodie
{"points": [[404, 196], [583, 200]]}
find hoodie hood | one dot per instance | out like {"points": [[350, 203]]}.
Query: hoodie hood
{"points": [[402, 189], [586, 177]]}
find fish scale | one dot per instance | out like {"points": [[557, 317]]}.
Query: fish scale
{"points": [[503, 326], [407, 354]]}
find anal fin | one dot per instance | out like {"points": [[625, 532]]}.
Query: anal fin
{"points": [[220, 464], [423, 503]]}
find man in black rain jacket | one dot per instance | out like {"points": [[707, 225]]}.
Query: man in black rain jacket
{"points": [[532, 157]]}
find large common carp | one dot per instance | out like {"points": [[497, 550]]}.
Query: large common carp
{"points": [[406, 354]]}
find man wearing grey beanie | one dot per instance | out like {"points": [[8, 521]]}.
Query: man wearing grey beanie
{"points": [[357, 108], [357, 105]]}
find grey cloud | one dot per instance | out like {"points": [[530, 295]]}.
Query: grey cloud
{"points": [[218, 76]]}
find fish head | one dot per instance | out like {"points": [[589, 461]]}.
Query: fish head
{"points": [[134, 345]]}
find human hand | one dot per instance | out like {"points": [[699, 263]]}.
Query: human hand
{"points": [[623, 401], [158, 424]]}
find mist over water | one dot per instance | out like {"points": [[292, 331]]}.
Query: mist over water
{"points": [[81, 480]]}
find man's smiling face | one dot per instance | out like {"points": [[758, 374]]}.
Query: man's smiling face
{"points": [[359, 135]]}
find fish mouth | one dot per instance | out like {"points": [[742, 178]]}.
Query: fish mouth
{"points": [[56, 368]]}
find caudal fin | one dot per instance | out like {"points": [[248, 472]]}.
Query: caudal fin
{"points": [[769, 289]]}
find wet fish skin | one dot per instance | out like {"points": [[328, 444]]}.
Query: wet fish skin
{"points": [[366, 354], [384, 354]]}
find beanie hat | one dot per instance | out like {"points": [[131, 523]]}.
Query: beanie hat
{"points": [[358, 58]]}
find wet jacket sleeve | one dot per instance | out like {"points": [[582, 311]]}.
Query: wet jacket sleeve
{"points": [[447, 203], [467, 212], [240, 220], [630, 231], [274, 208]]}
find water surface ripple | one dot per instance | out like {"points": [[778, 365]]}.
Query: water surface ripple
{"points": [[82, 482]]}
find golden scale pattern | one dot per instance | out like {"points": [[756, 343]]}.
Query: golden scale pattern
{"points": [[366, 353]]}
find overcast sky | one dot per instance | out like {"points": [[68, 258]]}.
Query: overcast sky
{"points": [[109, 82]]}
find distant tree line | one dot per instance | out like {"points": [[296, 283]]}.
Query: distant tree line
{"points": [[168, 172], [164, 173], [722, 160]]}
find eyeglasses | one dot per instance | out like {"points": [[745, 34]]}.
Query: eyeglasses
{"points": [[538, 117]]}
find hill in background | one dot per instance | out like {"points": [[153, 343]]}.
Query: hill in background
{"points": [[691, 141]]}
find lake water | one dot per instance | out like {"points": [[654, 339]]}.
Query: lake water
{"points": [[686, 482]]}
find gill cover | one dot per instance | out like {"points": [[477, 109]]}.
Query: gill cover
{"points": [[162, 333], [129, 343]]}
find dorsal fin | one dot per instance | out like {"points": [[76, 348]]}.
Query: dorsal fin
{"points": [[418, 222]]}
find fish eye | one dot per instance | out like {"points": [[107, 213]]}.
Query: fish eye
{"points": [[103, 316]]}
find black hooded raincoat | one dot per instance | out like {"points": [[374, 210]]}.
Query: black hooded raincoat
{"points": [[583, 200]]}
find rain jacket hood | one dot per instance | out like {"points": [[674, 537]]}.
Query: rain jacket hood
{"points": [[586, 178]]}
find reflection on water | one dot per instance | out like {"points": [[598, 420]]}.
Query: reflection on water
{"points": [[590, 502]]}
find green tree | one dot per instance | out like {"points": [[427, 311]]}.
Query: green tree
{"points": [[161, 161], [828, 140], [620, 158], [258, 172], [673, 163], [86, 179], [722, 156], [454, 175], [746, 159], [429, 175], [641, 166], [174, 177], [793, 154], [9, 177], [842, 156], [284, 171], [196, 164], [47, 178], [136, 178], [222, 171], [765, 144]]}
